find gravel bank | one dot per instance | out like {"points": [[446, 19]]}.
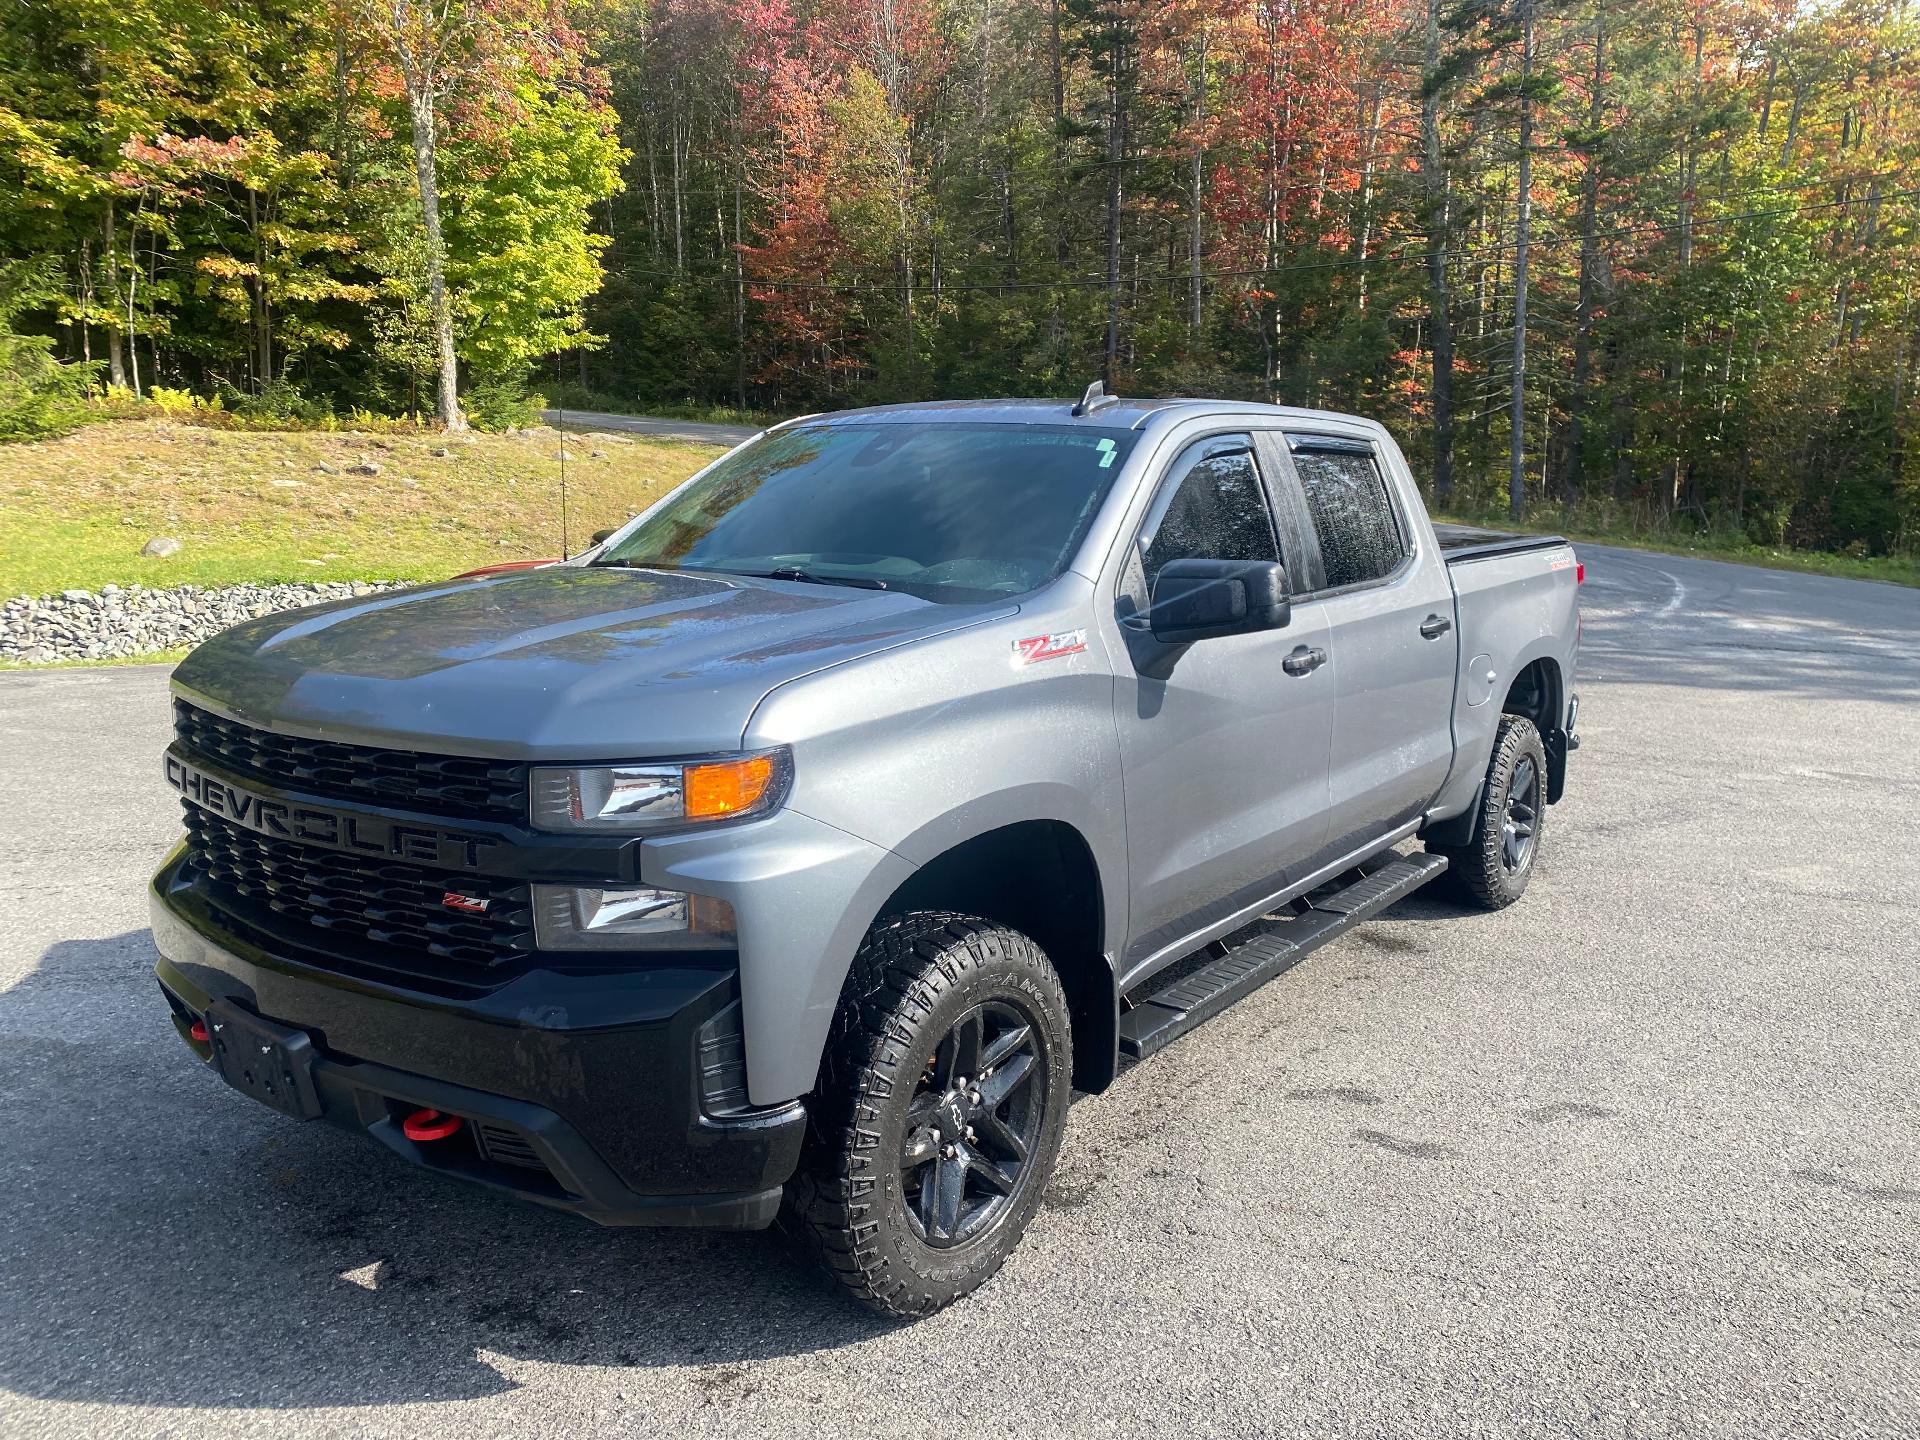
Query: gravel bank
{"points": [[115, 622]]}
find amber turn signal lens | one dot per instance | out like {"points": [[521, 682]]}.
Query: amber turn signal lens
{"points": [[727, 787]]}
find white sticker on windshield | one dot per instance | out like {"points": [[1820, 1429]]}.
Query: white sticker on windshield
{"points": [[1107, 451]]}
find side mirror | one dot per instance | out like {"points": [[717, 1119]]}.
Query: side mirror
{"points": [[602, 536], [1201, 599]]}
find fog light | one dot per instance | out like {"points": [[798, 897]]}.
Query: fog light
{"points": [[583, 917]]}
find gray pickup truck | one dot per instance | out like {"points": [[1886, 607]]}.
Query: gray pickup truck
{"points": [[795, 852]]}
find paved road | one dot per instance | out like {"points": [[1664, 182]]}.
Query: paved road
{"points": [[698, 431], [1640, 1157]]}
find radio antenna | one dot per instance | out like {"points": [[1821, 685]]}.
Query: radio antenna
{"points": [[565, 551]]}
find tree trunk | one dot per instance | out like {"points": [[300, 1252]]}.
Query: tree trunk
{"points": [[262, 316], [110, 247], [739, 296], [426, 164], [1582, 394], [1517, 434], [678, 154], [1439, 233], [1370, 128], [86, 310], [1196, 222], [1117, 81], [1057, 60]]}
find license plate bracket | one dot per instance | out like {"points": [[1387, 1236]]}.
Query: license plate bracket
{"points": [[272, 1063]]}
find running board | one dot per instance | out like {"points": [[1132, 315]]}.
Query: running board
{"points": [[1162, 1016]]}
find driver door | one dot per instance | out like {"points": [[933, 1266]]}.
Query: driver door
{"points": [[1224, 751]]}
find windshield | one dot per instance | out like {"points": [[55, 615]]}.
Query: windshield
{"points": [[949, 512]]}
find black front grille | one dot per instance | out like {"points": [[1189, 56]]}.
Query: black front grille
{"points": [[373, 914], [404, 779]]}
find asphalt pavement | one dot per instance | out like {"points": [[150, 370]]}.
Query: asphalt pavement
{"points": [[1638, 1157]]}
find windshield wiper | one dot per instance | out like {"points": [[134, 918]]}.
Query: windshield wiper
{"points": [[794, 572]]}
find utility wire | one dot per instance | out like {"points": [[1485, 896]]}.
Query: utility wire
{"points": [[1348, 262]]}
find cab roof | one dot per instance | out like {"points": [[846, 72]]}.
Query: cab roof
{"points": [[1115, 414]]}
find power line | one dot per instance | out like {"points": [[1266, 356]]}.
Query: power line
{"points": [[1418, 257]]}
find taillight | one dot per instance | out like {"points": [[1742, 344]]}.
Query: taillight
{"points": [[1580, 573]]}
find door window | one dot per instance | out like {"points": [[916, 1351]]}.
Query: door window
{"points": [[1211, 507], [1352, 515]]}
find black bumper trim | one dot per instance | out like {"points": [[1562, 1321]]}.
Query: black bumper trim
{"points": [[591, 1084], [360, 1095]]}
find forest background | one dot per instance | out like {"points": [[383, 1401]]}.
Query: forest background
{"points": [[1644, 264]]}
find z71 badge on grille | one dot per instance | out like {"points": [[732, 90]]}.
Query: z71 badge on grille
{"points": [[469, 904]]}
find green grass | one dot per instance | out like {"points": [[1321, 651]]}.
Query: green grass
{"points": [[1890, 569], [169, 658], [256, 506], [573, 397]]}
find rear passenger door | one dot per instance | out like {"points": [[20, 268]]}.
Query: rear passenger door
{"points": [[1388, 609]]}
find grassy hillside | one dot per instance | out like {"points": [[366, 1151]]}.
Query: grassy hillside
{"points": [[277, 506]]}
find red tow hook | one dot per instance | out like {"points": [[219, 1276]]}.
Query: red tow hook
{"points": [[425, 1125], [198, 1031]]}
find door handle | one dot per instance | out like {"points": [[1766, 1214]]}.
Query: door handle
{"points": [[1434, 626], [1304, 660]]}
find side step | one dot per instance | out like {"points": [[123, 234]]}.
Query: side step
{"points": [[1162, 1016]]}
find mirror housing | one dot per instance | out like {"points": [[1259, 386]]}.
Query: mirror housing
{"points": [[1203, 599], [600, 537]]}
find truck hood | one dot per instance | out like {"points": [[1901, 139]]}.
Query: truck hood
{"points": [[564, 663]]}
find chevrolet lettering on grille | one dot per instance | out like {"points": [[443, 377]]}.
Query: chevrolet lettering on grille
{"points": [[329, 829]]}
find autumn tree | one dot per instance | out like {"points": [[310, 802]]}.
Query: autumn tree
{"points": [[473, 55]]}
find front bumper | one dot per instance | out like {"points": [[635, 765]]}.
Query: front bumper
{"points": [[589, 1092]]}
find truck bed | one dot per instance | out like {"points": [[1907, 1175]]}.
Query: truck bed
{"points": [[1460, 543]]}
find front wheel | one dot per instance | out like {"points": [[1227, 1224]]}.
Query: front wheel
{"points": [[942, 1098], [1491, 870]]}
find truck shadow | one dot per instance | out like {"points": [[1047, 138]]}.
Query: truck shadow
{"points": [[170, 1243]]}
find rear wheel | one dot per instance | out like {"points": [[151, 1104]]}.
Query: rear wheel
{"points": [[942, 1099], [1491, 870]]}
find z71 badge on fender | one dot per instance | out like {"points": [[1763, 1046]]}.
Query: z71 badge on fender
{"points": [[330, 829], [1036, 648]]}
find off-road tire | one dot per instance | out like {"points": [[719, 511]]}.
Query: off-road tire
{"points": [[1479, 872], [913, 979]]}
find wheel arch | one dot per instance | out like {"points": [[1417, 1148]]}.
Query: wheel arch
{"points": [[1040, 877], [1538, 692]]}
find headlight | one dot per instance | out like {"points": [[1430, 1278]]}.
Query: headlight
{"points": [[635, 798], [583, 917]]}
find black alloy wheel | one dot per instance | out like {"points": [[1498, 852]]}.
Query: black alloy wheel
{"points": [[1521, 815], [1491, 869], [939, 1111], [972, 1124]]}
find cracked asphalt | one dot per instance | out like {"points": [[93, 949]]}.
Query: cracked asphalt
{"points": [[1638, 1157]]}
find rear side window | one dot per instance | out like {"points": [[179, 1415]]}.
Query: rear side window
{"points": [[1352, 516]]}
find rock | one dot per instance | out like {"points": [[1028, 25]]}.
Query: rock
{"points": [[440, 452], [565, 455], [407, 482], [596, 454], [161, 546], [364, 467], [80, 625], [324, 468], [287, 484]]}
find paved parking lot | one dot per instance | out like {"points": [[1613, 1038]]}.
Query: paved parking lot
{"points": [[1639, 1157]]}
